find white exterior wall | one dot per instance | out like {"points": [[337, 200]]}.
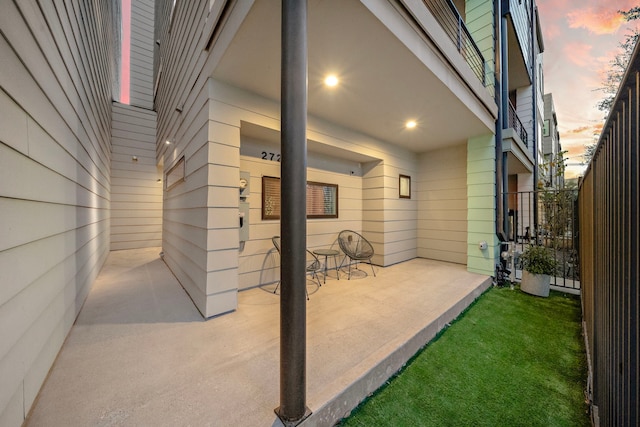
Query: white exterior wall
{"points": [[186, 218], [201, 239], [391, 223], [524, 109], [368, 200], [141, 66], [258, 262], [182, 83], [532, 121], [202, 118], [442, 205], [55, 98], [136, 184]]}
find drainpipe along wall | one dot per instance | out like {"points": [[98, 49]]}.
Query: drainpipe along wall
{"points": [[496, 79], [534, 106], [502, 95]]}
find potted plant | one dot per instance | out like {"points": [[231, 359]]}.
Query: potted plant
{"points": [[538, 264]]}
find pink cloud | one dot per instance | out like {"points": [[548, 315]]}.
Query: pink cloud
{"points": [[553, 10], [551, 32], [579, 130], [598, 20], [580, 41], [578, 53]]}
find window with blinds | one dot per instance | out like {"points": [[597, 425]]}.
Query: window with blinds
{"points": [[322, 199]]}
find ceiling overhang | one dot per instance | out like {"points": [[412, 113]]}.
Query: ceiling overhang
{"points": [[383, 83]]}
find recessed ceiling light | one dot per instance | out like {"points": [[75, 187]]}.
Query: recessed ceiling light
{"points": [[167, 142], [411, 124], [331, 80]]}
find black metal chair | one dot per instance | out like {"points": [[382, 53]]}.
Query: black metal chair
{"points": [[356, 248], [313, 265]]}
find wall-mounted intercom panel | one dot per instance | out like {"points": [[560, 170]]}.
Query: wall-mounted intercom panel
{"points": [[244, 221]]}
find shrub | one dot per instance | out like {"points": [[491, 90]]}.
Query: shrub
{"points": [[538, 260]]}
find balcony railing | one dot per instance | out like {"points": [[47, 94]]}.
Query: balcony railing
{"points": [[453, 24], [545, 217], [516, 125]]}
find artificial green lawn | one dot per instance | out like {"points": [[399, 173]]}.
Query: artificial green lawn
{"points": [[510, 360]]}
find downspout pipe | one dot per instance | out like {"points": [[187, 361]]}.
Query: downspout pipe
{"points": [[502, 122], [504, 49], [534, 106], [293, 220], [498, 93]]}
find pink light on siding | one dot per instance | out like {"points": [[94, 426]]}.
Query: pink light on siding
{"points": [[125, 52]]}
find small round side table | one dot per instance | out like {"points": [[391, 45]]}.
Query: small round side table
{"points": [[326, 253]]}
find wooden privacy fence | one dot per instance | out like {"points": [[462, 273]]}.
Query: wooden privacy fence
{"points": [[609, 235]]}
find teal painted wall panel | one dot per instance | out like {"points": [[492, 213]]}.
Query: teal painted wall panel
{"points": [[481, 204]]}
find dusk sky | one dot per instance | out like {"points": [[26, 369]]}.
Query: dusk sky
{"points": [[580, 40]]}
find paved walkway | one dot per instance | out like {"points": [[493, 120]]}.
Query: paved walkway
{"points": [[140, 354]]}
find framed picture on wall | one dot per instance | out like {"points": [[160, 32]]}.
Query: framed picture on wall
{"points": [[405, 187]]}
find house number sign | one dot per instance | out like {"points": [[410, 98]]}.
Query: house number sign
{"points": [[255, 148], [267, 155]]}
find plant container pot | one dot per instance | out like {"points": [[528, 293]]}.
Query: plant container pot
{"points": [[535, 284]]}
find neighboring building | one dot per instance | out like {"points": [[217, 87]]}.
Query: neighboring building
{"points": [[552, 174], [88, 166], [522, 101]]}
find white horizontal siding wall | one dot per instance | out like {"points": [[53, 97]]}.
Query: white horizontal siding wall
{"points": [[200, 227], [388, 221], [258, 261], [524, 109], [184, 75], [442, 206], [200, 218], [136, 181], [55, 99], [369, 200], [142, 46], [185, 216]]}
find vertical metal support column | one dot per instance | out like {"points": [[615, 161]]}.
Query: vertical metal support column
{"points": [[504, 77], [497, 44], [534, 106], [293, 220]]}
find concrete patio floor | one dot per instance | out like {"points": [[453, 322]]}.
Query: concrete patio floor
{"points": [[140, 354]]}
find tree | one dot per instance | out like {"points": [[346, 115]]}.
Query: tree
{"points": [[556, 201], [552, 171], [589, 152], [619, 63], [631, 14]]}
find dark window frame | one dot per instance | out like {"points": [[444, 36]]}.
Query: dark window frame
{"points": [[404, 181], [267, 211]]}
